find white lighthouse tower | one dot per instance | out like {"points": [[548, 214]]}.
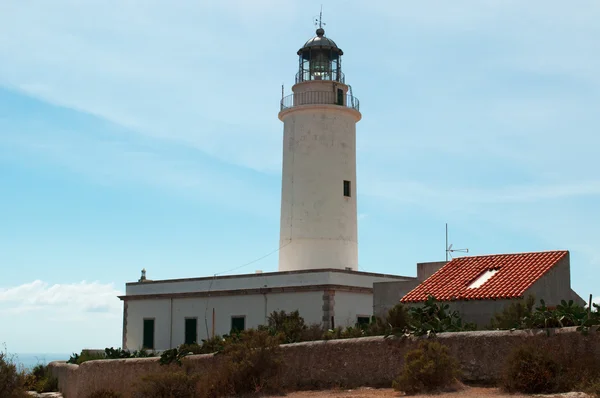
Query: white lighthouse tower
{"points": [[318, 198]]}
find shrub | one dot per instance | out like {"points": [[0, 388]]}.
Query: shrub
{"points": [[105, 394], [253, 362], [109, 353], [398, 318], [40, 380], [428, 368], [250, 364], [291, 326], [593, 388], [434, 317], [513, 314], [313, 332], [12, 380], [530, 369], [167, 385]]}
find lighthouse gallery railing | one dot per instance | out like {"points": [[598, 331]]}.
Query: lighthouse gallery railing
{"points": [[319, 98]]}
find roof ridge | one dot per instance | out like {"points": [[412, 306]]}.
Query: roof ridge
{"points": [[511, 254]]}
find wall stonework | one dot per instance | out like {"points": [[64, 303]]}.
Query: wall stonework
{"points": [[368, 361]]}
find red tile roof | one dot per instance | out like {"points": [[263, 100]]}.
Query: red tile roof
{"points": [[516, 273]]}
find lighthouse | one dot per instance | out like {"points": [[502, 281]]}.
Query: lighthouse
{"points": [[318, 226]]}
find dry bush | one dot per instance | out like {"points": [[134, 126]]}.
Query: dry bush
{"points": [[12, 380], [250, 365], [429, 368], [531, 369], [105, 394], [549, 365], [167, 385]]}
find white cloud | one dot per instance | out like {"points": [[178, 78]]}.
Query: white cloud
{"points": [[61, 318], [70, 300]]}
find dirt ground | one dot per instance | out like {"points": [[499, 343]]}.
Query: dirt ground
{"points": [[468, 392]]}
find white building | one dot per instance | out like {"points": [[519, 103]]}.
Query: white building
{"points": [[318, 255]]}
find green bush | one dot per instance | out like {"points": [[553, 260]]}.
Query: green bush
{"points": [[428, 368], [511, 317], [167, 385], [109, 353], [12, 379], [290, 326], [40, 380], [398, 318], [434, 317], [105, 394], [531, 369]]}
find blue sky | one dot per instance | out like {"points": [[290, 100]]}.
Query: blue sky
{"points": [[145, 134]]}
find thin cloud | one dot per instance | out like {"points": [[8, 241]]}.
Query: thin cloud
{"points": [[74, 299]]}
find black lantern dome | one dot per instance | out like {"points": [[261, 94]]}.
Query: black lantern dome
{"points": [[320, 59]]}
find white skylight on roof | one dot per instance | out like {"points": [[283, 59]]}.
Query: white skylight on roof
{"points": [[483, 278]]}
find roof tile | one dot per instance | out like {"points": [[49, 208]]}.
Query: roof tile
{"points": [[516, 273]]}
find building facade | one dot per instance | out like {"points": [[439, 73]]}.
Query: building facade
{"points": [[163, 314]]}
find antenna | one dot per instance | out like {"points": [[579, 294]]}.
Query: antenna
{"points": [[319, 21], [282, 91], [449, 249]]}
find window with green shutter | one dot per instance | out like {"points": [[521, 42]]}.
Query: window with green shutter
{"points": [[238, 323], [148, 341], [191, 330]]}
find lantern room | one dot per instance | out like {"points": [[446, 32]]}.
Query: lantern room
{"points": [[320, 59]]}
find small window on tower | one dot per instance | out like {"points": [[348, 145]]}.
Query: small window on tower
{"points": [[347, 189]]}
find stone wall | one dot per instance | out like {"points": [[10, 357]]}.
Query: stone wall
{"points": [[369, 361]]}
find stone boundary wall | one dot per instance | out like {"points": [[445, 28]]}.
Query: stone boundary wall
{"points": [[367, 361]]}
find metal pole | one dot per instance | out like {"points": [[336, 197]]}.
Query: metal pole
{"points": [[446, 242], [213, 324]]}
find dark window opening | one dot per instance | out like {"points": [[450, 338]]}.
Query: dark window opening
{"points": [[191, 331], [148, 341], [340, 96], [363, 320], [238, 323], [347, 189]]}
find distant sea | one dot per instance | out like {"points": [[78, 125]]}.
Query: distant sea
{"points": [[30, 360]]}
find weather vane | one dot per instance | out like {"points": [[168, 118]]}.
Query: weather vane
{"points": [[319, 21]]}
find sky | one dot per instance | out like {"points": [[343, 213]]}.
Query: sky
{"points": [[144, 134]]}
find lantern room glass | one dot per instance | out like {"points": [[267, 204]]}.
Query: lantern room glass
{"points": [[320, 64]]}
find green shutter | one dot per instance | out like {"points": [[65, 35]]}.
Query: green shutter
{"points": [[191, 331], [148, 334], [238, 323]]}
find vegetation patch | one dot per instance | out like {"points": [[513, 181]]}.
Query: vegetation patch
{"points": [[12, 379], [109, 353], [429, 368], [167, 385], [105, 394]]}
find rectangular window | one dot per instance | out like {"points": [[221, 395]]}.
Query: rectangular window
{"points": [[191, 330], [363, 320], [340, 96], [238, 323], [347, 189], [148, 341]]}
